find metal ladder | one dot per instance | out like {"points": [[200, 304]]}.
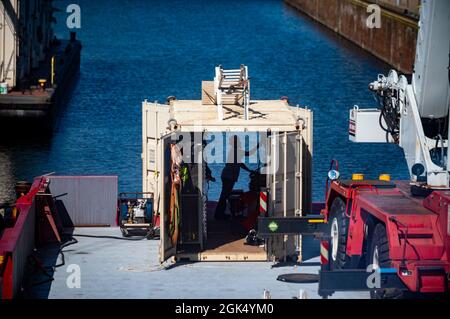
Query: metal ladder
{"points": [[232, 87]]}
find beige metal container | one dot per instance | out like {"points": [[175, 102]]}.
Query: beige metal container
{"points": [[289, 146]]}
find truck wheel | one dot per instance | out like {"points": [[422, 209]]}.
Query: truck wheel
{"points": [[379, 258], [338, 233]]}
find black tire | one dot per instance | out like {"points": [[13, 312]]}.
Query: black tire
{"points": [[379, 246], [338, 222], [379, 241]]}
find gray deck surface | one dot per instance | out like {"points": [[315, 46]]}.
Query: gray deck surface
{"points": [[112, 268]]}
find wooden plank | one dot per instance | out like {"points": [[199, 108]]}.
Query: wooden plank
{"points": [[217, 257], [225, 247], [208, 96]]}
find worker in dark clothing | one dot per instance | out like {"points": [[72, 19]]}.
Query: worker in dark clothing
{"points": [[230, 175]]}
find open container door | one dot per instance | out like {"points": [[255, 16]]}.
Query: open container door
{"points": [[167, 248], [193, 202], [156, 138], [186, 230], [285, 188]]}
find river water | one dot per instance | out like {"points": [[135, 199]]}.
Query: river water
{"points": [[140, 49]]}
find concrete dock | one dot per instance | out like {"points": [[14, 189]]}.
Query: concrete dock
{"points": [[114, 268], [393, 41]]}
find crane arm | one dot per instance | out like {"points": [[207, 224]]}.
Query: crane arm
{"points": [[416, 115]]}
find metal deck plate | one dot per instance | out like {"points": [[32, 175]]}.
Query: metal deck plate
{"points": [[396, 204]]}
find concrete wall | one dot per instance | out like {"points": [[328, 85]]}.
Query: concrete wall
{"points": [[394, 42]]}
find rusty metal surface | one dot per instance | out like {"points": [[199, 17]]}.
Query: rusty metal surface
{"points": [[86, 200], [394, 42], [410, 7]]}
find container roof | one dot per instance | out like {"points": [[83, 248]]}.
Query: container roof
{"points": [[276, 115]]}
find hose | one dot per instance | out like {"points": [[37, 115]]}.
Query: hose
{"points": [[109, 237], [71, 241], [49, 270], [46, 270], [390, 117]]}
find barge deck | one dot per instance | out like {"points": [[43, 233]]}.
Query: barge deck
{"points": [[131, 270]]}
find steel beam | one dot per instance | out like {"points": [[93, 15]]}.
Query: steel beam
{"points": [[331, 281], [11, 13], [312, 225]]}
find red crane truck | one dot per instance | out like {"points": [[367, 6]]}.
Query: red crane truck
{"points": [[399, 231]]}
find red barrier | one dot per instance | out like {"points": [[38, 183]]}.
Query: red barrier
{"points": [[324, 252], [17, 243]]}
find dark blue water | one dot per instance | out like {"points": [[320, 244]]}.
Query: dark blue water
{"points": [[152, 49]]}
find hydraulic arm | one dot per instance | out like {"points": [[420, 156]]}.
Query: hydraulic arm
{"points": [[415, 115]]}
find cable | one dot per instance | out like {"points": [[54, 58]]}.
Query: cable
{"points": [[46, 270], [67, 243], [390, 116], [71, 241], [110, 237], [38, 264]]}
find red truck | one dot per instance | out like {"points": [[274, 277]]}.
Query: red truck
{"points": [[398, 230]]}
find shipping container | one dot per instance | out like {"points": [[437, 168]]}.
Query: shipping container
{"points": [[189, 231]]}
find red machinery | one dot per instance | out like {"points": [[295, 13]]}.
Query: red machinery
{"points": [[35, 222], [378, 223], [405, 225], [376, 227], [400, 231]]}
